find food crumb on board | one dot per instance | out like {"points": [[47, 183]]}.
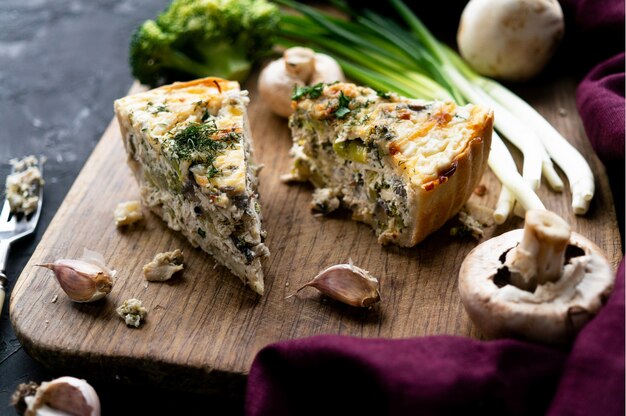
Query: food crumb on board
{"points": [[562, 112], [132, 312], [127, 213], [54, 299], [473, 219], [164, 266]]}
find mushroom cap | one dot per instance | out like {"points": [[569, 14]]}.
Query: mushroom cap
{"points": [[554, 312], [298, 67], [276, 86], [510, 39]]}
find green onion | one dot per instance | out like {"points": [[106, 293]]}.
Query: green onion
{"points": [[379, 52]]}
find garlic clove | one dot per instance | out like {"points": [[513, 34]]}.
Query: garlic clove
{"points": [[97, 259], [63, 396], [347, 283], [84, 280]]}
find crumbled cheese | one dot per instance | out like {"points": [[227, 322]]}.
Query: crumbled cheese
{"points": [[132, 312], [163, 266], [22, 186], [127, 213]]}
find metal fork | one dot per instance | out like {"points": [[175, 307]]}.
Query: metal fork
{"points": [[12, 228]]}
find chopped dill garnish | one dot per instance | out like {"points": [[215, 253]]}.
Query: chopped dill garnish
{"points": [[197, 137], [203, 142]]}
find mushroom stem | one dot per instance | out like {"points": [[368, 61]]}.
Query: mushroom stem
{"points": [[540, 256], [300, 63]]}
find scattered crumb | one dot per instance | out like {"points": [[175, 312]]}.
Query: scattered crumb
{"points": [[132, 312], [473, 219], [290, 177], [54, 299], [287, 284], [562, 112], [324, 201], [163, 266], [47, 322], [145, 285], [127, 213], [480, 190]]}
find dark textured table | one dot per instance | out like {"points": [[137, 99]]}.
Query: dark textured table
{"points": [[62, 63]]}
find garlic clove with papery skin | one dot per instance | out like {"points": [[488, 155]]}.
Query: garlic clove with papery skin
{"points": [[83, 280], [348, 284], [63, 396]]}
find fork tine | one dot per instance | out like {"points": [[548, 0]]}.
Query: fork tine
{"points": [[34, 218]]}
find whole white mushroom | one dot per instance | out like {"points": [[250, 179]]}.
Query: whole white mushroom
{"points": [[542, 283], [298, 67], [510, 39]]}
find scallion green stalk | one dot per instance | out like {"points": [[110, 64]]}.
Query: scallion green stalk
{"points": [[376, 51]]}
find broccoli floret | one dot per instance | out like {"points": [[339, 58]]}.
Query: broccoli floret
{"points": [[199, 38]]}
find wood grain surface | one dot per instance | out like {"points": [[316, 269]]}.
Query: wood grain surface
{"points": [[204, 328]]}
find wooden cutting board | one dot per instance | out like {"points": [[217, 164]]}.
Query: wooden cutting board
{"points": [[203, 329]]}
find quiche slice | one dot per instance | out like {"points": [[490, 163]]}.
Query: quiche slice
{"points": [[189, 147], [403, 166]]}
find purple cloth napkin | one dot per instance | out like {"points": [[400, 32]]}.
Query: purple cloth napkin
{"points": [[600, 101], [451, 375], [593, 380], [443, 375]]}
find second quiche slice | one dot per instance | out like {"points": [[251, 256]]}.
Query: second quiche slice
{"points": [[189, 147], [403, 166]]}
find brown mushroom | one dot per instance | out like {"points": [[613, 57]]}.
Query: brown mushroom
{"points": [[542, 283]]}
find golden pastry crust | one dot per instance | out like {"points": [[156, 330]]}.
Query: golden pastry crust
{"points": [[436, 204]]}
